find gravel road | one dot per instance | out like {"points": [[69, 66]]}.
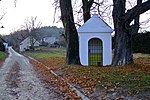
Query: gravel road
{"points": [[18, 80]]}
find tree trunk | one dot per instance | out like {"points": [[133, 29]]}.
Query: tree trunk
{"points": [[87, 4], [123, 29], [123, 50], [72, 40]]}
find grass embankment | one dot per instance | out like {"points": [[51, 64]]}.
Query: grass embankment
{"points": [[3, 55], [133, 79]]}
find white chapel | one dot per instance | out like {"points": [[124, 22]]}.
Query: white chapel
{"points": [[95, 42]]}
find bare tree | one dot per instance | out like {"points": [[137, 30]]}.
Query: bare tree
{"points": [[32, 26], [71, 34]]}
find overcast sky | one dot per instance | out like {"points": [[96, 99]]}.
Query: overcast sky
{"points": [[43, 9], [15, 16]]}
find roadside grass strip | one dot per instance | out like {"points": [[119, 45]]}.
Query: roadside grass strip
{"points": [[3, 55], [41, 55]]}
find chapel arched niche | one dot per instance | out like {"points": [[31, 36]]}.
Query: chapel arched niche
{"points": [[95, 52]]}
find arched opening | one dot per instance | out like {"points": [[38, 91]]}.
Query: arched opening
{"points": [[95, 52]]}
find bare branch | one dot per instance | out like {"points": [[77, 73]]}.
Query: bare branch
{"points": [[31, 23], [2, 16], [15, 3], [135, 11], [56, 5]]}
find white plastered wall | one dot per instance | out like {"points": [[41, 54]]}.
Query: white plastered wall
{"points": [[107, 47]]}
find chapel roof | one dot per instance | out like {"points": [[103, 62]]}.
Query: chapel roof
{"points": [[95, 25]]}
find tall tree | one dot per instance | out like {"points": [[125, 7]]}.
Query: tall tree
{"points": [[122, 26], [71, 34], [87, 4]]}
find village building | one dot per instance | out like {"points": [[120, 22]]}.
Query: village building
{"points": [[95, 42], [26, 43], [49, 40]]}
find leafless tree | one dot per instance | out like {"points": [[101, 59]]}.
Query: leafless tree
{"points": [[32, 26]]}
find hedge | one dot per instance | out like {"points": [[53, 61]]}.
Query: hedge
{"points": [[141, 43], [2, 47]]}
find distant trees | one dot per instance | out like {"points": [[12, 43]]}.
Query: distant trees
{"points": [[15, 38]]}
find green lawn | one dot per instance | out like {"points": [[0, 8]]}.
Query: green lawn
{"points": [[43, 55], [3, 55]]}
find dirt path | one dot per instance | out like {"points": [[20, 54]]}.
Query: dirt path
{"points": [[18, 80]]}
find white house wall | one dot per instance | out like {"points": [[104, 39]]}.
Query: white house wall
{"points": [[83, 46], [26, 44], [107, 48], [6, 45], [50, 40]]}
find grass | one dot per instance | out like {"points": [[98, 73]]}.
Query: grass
{"points": [[131, 79], [42, 55], [46, 52], [3, 55]]}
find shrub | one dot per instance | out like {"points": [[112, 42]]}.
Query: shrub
{"points": [[141, 43], [3, 55], [2, 47]]}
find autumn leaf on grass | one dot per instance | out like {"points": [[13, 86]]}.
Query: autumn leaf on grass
{"points": [[110, 90], [108, 83]]}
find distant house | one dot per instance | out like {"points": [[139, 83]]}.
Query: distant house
{"points": [[49, 40], [25, 44], [53, 41]]}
